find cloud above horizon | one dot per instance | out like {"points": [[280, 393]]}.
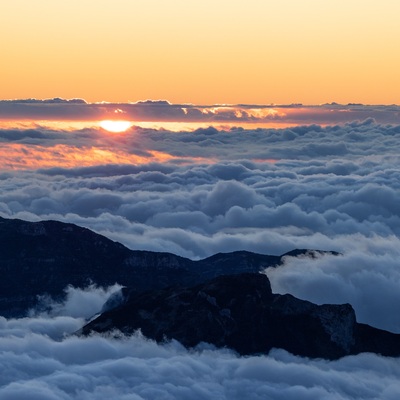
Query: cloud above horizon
{"points": [[162, 110]]}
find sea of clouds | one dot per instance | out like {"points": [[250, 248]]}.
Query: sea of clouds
{"points": [[41, 359], [265, 190]]}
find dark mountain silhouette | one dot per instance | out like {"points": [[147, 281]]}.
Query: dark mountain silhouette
{"points": [[241, 312], [38, 258], [223, 299]]}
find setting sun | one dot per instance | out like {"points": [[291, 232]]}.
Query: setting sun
{"points": [[115, 126]]}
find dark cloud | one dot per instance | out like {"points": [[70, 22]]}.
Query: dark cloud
{"points": [[55, 100], [162, 110]]}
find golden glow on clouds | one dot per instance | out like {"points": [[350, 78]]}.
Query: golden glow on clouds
{"points": [[101, 149], [17, 156], [20, 157], [204, 52]]}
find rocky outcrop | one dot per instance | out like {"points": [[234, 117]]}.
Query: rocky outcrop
{"points": [[240, 312]]}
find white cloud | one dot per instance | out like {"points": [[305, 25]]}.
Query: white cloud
{"points": [[136, 368], [57, 319], [198, 209], [78, 303], [367, 276]]}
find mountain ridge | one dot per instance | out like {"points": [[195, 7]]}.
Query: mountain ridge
{"points": [[223, 299], [43, 258]]}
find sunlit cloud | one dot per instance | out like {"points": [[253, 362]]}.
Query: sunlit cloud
{"points": [[17, 156]]}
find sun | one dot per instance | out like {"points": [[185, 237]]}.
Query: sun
{"points": [[115, 126]]}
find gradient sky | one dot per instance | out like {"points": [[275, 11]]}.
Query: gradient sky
{"points": [[204, 52]]}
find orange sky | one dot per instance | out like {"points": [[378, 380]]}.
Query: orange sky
{"points": [[204, 52]]}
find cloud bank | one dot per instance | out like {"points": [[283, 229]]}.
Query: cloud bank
{"points": [[162, 110], [39, 363]]}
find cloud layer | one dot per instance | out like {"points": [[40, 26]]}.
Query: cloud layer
{"points": [[39, 363], [196, 193], [264, 190], [197, 210]]}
